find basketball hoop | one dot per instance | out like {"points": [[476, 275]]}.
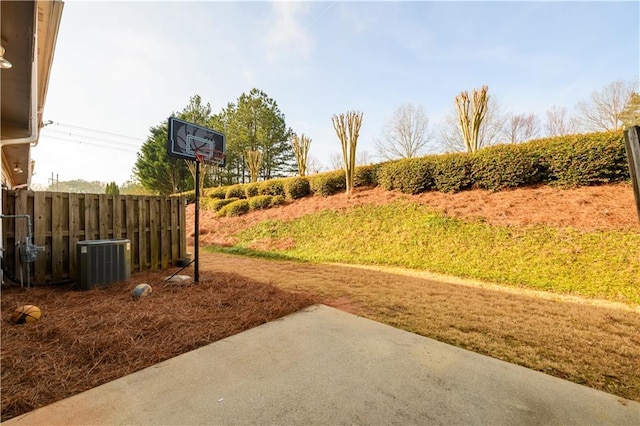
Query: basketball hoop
{"points": [[209, 156]]}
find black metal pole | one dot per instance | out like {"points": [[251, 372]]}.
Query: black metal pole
{"points": [[196, 242]]}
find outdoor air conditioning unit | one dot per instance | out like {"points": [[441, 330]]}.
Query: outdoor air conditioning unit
{"points": [[102, 262]]}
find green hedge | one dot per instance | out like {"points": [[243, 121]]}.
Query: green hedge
{"points": [[410, 176], [329, 183], [251, 189], [565, 161], [505, 166], [297, 187], [260, 202], [452, 172], [236, 208], [235, 191], [365, 176], [582, 160], [271, 187], [215, 203], [219, 192]]}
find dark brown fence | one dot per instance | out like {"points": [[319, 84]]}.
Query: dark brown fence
{"points": [[154, 225]]}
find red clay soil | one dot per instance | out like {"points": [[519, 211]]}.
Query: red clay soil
{"points": [[605, 207]]}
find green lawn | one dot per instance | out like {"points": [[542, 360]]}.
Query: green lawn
{"points": [[564, 260]]}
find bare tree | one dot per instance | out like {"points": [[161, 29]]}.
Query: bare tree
{"points": [[301, 146], [335, 161], [405, 135], [521, 127], [362, 159], [490, 130], [559, 123], [603, 111], [347, 127], [314, 165]]}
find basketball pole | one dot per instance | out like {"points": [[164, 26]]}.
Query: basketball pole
{"points": [[196, 242]]}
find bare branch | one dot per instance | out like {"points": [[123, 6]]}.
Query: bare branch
{"points": [[604, 109]]}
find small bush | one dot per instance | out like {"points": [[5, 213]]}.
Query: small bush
{"points": [[505, 166], [260, 202], [452, 172], [325, 184], [365, 176], [271, 187], [296, 187], [410, 176], [215, 203], [251, 189], [236, 208], [277, 200], [236, 191], [219, 192]]}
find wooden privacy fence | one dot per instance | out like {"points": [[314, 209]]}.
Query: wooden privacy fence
{"points": [[155, 226]]}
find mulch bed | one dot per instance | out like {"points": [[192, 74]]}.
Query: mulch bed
{"points": [[88, 338]]}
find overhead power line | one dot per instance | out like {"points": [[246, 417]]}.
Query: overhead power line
{"points": [[92, 130]]}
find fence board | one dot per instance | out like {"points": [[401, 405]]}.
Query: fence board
{"points": [[155, 226], [39, 235]]}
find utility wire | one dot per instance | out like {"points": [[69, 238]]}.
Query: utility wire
{"points": [[92, 130]]}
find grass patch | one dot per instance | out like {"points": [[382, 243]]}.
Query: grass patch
{"points": [[593, 264]]}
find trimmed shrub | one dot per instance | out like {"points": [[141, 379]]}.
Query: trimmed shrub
{"points": [[236, 208], [215, 203], [410, 176], [452, 172], [296, 187], [260, 202], [365, 176], [271, 187], [251, 189], [581, 160], [277, 200], [219, 192], [325, 184], [235, 191], [505, 166]]}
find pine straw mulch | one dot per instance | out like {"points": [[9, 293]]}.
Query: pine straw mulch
{"points": [[88, 338]]}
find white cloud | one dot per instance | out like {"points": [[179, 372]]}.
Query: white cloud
{"points": [[287, 35]]}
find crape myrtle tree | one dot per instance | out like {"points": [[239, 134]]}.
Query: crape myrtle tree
{"points": [[155, 170], [347, 127], [490, 132], [301, 145], [254, 162], [471, 113]]}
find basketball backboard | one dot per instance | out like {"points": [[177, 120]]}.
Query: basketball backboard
{"points": [[187, 140]]}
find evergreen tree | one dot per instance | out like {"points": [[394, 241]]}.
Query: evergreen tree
{"points": [[256, 123], [112, 189], [158, 172]]}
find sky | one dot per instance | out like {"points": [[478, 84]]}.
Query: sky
{"points": [[122, 67]]}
